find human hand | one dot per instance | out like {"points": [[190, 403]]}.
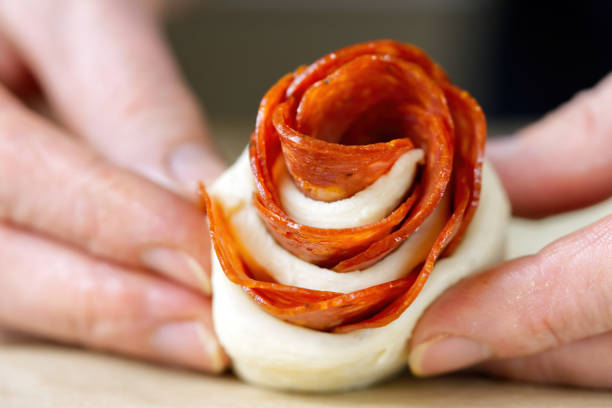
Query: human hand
{"points": [[101, 243], [545, 317]]}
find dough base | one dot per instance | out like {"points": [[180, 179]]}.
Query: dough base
{"points": [[270, 352]]}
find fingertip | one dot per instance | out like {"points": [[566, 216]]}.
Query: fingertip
{"points": [[178, 264], [445, 353], [189, 343], [192, 162]]}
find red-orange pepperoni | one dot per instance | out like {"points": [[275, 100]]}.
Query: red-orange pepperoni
{"points": [[339, 124]]}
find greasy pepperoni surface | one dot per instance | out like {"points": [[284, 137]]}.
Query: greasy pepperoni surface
{"points": [[339, 124]]}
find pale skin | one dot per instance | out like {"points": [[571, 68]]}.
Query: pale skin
{"points": [[102, 244], [546, 317]]}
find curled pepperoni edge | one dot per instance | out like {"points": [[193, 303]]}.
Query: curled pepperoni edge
{"points": [[454, 146]]}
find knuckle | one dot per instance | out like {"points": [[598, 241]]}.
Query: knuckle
{"points": [[107, 312], [98, 198], [545, 324], [89, 215], [588, 112], [587, 115]]}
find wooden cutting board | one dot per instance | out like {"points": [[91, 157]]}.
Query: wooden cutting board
{"points": [[45, 375]]}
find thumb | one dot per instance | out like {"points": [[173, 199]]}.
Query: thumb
{"points": [[524, 306], [563, 161]]}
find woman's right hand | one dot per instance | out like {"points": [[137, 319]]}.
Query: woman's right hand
{"points": [[101, 243], [545, 317]]}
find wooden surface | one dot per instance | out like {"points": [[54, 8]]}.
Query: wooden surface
{"points": [[45, 375]]}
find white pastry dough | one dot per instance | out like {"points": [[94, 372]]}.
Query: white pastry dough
{"points": [[367, 206], [270, 352]]}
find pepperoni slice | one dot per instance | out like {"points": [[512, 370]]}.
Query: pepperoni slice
{"points": [[339, 124]]}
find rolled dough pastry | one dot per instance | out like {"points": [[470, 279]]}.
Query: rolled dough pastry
{"points": [[361, 197], [270, 352]]}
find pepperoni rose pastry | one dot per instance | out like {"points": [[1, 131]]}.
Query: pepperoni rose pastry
{"points": [[361, 197]]}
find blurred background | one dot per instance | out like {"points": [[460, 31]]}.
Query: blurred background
{"points": [[518, 58]]}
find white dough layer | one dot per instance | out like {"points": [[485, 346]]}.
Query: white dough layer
{"points": [[270, 352], [288, 269], [367, 206]]}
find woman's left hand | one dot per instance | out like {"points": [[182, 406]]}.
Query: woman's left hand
{"points": [[101, 242]]}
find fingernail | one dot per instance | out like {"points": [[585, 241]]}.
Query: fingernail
{"points": [[189, 343], [502, 146], [179, 265], [446, 353], [191, 163]]}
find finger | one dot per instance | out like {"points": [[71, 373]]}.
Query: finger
{"points": [[53, 291], [562, 162], [107, 71], [54, 185], [584, 363], [524, 306]]}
